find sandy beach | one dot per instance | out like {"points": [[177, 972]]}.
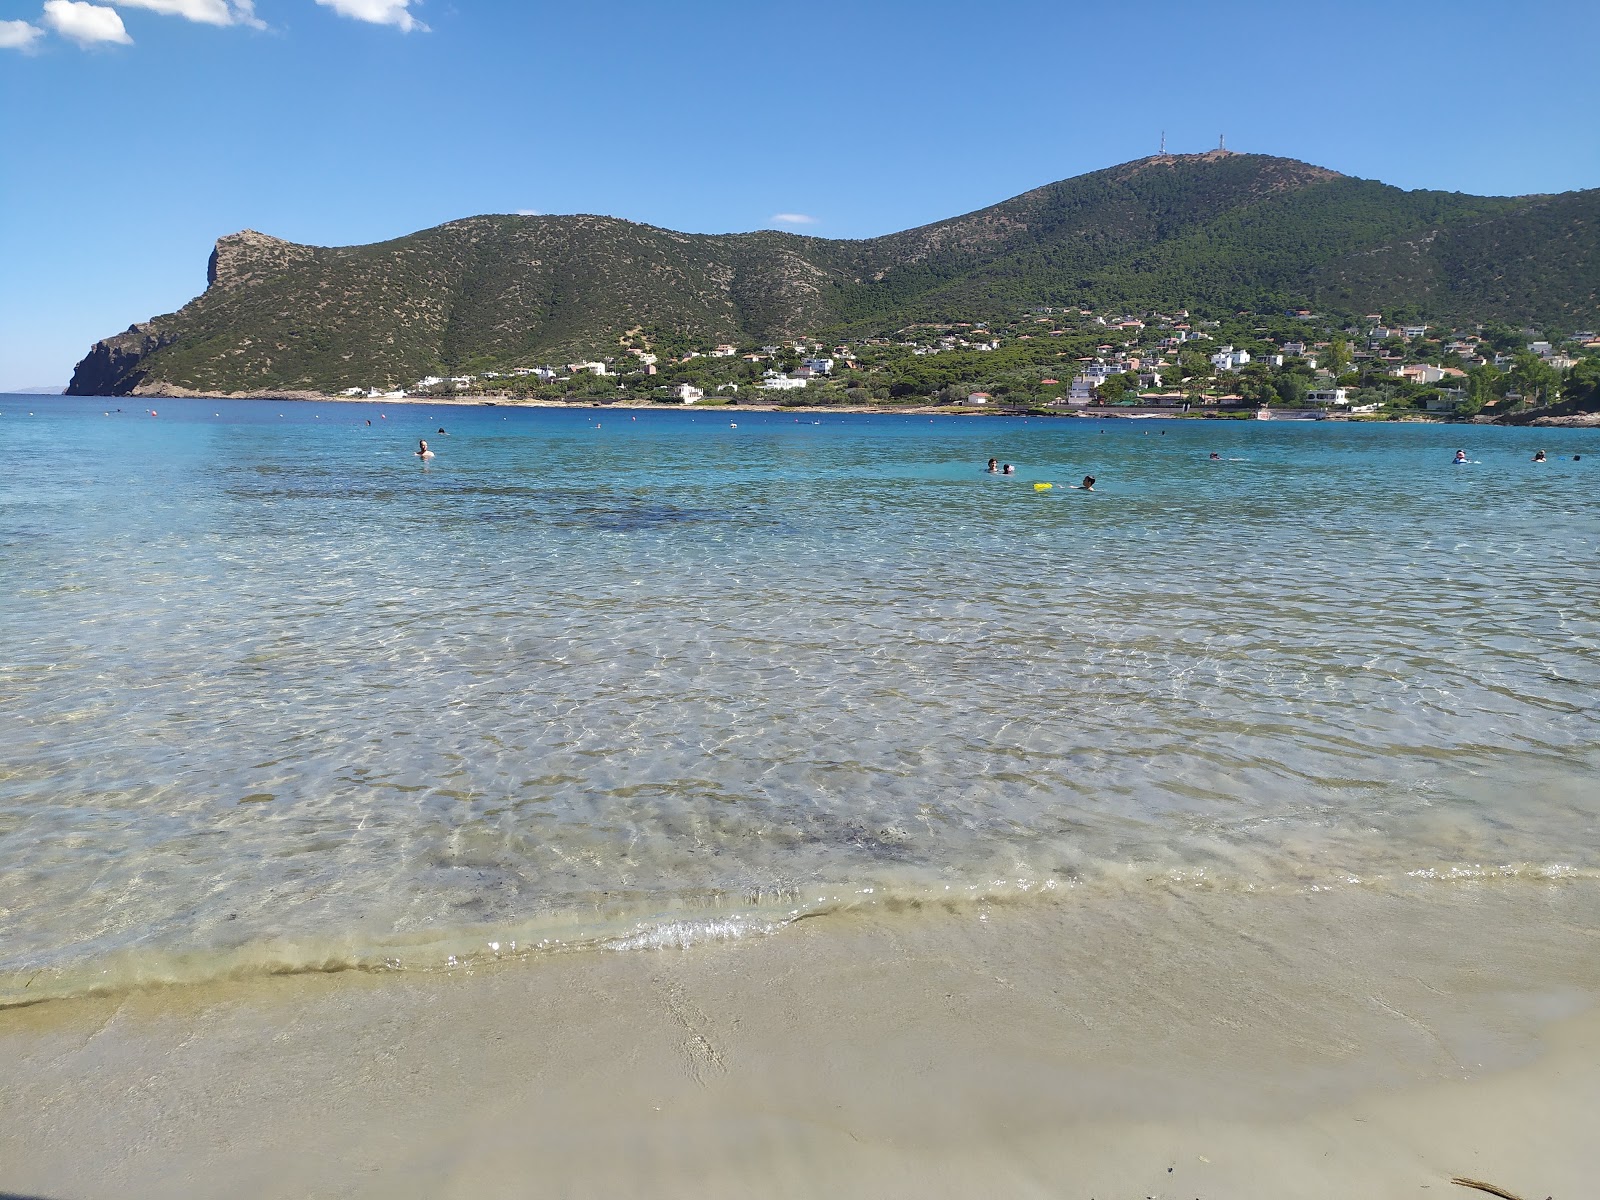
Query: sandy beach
{"points": [[1189, 1044]]}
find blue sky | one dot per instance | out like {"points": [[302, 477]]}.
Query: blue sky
{"points": [[135, 133]]}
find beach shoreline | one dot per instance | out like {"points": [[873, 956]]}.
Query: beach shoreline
{"points": [[1184, 1044]]}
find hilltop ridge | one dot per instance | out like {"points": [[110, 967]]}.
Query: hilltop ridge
{"points": [[1211, 232]]}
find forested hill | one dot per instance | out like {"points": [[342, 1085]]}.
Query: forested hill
{"points": [[1209, 232]]}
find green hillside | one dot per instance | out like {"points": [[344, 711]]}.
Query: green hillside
{"points": [[1214, 232]]}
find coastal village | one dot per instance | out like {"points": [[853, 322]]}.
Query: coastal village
{"points": [[1072, 361]]}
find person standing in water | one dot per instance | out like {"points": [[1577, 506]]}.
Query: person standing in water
{"points": [[1461, 456], [422, 450], [994, 466], [1538, 456]]}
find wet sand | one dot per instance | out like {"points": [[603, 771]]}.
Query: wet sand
{"points": [[1183, 1044]]}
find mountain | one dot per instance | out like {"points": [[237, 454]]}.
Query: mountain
{"points": [[1209, 232]]}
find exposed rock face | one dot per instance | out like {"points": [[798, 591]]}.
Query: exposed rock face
{"points": [[114, 367], [241, 258]]}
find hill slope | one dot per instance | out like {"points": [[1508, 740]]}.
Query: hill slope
{"points": [[1213, 231]]}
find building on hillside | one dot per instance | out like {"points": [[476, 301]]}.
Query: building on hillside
{"points": [[1334, 396], [594, 368], [1445, 400], [1229, 359], [1425, 373], [724, 351], [977, 399], [818, 366], [687, 393], [779, 383]]}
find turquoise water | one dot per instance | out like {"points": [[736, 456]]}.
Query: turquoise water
{"points": [[276, 695]]}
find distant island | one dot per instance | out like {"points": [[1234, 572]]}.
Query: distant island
{"points": [[1194, 282]]}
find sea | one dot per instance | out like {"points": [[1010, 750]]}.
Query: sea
{"points": [[278, 695]]}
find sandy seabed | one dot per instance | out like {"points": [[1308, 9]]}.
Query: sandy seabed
{"points": [[1182, 1044]]}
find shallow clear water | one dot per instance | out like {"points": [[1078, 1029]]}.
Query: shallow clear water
{"points": [[276, 695]]}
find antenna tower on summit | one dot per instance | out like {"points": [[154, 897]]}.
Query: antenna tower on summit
{"points": [[1163, 143], [1222, 141]]}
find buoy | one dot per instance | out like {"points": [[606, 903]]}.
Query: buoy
{"points": [[1043, 487]]}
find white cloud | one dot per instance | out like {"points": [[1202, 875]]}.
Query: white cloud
{"points": [[794, 218], [378, 12], [18, 35], [207, 12], [85, 23], [529, 212]]}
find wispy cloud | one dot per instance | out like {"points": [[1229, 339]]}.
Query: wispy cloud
{"points": [[206, 12], [87, 24], [18, 35], [794, 218], [378, 12]]}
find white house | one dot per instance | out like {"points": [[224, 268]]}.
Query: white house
{"points": [[1336, 395], [1229, 359], [724, 351], [780, 383], [687, 393], [977, 398], [818, 366], [1082, 389]]}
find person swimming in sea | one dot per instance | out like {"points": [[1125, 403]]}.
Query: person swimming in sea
{"points": [[1538, 456], [1461, 456], [1087, 484], [993, 467], [1008, 469], [1215, 457], [422, 450]]}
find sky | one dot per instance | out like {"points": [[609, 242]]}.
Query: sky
{"points": [[134, 133]]}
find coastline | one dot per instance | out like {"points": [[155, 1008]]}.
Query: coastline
{"points": [[1185, 1044], [914, 410]]}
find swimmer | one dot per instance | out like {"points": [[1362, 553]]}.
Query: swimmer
{"points": [[1538, 456], [1008, 469], [1461, 456], [994, 466], [441, 430], [422, 450], [1088, 483], [1577, 458], [1215, 457]]}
